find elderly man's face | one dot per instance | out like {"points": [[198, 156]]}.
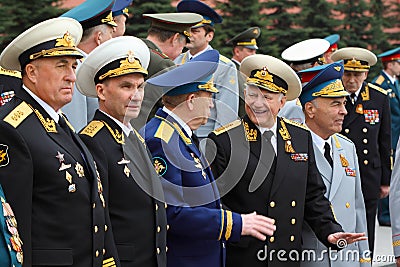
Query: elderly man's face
{"points": [[120, 29], [262, 106], [121, 97], [325, 115], [352, 80], [53, 79]]}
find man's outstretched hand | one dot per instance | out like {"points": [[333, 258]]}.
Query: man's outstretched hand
{"points": [[343, 239]]}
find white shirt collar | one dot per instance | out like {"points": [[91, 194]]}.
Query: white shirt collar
{"points": [[274, 139], [391, 78], [234, 60], [199, 53], [181, 123], [53, 113], [320, 142], [127, 129]]}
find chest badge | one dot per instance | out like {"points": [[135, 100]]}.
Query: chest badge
{"points": [[371, 116]]}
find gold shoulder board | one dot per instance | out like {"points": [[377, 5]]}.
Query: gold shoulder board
{"points": [[377, 88], [380, 80], [92, 128], [164, 131], [343, 137], [227, 127], [224, 59], [295, 123], [12, 73], [18, 114]]}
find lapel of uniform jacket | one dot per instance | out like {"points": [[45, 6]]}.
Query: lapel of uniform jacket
{"points": [[338, 154], [52, 128], [281, 162], [324, 168], [351, 109]]}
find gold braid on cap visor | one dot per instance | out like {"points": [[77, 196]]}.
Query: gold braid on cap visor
{"points": [[63, 46], [264, 79], [353, 64], [128, 65], [334, 89], [252, 42]]}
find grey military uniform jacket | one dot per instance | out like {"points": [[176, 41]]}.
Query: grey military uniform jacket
{"points": [[394, 203], [343, 189]]}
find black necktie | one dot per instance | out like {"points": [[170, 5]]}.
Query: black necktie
{"points": [[353, 98], [196, 141], [327, 153], [268, 135], [63, 124]]}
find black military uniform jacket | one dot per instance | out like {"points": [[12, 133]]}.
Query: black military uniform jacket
{"points": [[56, 195], [159, 62], [367, 124], [292, 191], [139, 221]]}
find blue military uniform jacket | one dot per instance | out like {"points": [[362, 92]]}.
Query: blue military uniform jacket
{"points": [[226, 102], [343, 190], [367, 124], [199, 226], [51, 182], [133, 191], [290, 192], [11, 254], [393, 91]]}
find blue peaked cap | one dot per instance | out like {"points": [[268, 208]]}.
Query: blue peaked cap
{"points": [[326, 82], [192, 76], [333, 39], [210, 17], [92, 13], [119, 7]]}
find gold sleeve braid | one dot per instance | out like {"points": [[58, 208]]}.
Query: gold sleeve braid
{"points": [[229, 224], [222, 224]]}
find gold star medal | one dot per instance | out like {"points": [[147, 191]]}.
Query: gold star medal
{"points": [[79, 170]]}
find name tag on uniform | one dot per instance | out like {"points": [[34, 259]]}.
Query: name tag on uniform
{"points": [[350, 172], [371, 116], [299, 156]]}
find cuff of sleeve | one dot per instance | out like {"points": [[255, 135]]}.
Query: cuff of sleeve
{"points": [[236, 228], [396, 247]]}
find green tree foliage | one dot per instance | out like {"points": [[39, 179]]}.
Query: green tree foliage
{"points": [[238, 15], [317, 19], [17, 16], [136, 24], [283, 28]]}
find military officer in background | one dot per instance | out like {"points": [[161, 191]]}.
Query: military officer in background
{"points": [[333, 40], [367, 124], [243, 45], [10, 241], [46, 171], [300, 56], [199, 226], [226, 102], [388, 80], [115, 72], [167, 35], [394, 205], [266, 164], [120, 14], [9, 80], [323, 99], [95, 16]]}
